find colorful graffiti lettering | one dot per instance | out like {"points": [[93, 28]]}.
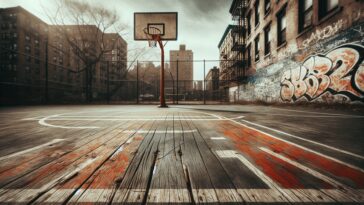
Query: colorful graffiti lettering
{"points": [[340, 71]]}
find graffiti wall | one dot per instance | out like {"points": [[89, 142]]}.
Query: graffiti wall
{"points": [[339, 72], [335, 75]]}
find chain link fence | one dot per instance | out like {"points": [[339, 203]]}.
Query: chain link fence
{"points": [[37, 79]]}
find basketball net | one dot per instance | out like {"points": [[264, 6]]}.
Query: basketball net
{"points": [[153, 35]]}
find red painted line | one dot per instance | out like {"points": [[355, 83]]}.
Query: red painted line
{"points": [[283, 173], [353, 177]]}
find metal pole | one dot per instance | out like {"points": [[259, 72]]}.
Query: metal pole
{"points": [[162, 98], [137, 83], [177, 81], [204, 82], [173, 96], [108, 83], [46, 74]]}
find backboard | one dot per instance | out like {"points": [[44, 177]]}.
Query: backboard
{"points": [[165, 22]]}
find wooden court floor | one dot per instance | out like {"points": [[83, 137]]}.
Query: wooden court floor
{"points": [[162, 156]]}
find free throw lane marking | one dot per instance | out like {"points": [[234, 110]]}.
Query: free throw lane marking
{"points": [[348, 191], [329, 180], [31, 149], [297, 145], [247, 163], [306, 140]]}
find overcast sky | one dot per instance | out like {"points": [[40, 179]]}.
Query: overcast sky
{"points": [[201, 23]]}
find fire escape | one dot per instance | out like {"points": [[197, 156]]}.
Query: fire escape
{"points": [[237, 66]]}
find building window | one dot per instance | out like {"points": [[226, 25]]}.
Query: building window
{"points": [[305, 14], [249, 22], [267, 40], [28, 59], [266, 6], [281, 17], [27, 49], [256, 8], [257, 48], [326, 6]]}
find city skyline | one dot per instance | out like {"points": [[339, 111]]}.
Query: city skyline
{"points": [[196, 19], [90, 114]]}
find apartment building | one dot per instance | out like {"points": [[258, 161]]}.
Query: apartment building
{"points": [[279, 35], [23, 42], [40, 62]]}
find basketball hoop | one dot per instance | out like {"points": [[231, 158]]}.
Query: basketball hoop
{"points": [[156, 27], [153, 35]]}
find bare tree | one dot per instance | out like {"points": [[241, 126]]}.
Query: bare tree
{"points": [[83, 27]]}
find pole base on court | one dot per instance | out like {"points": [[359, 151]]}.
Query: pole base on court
{"points": [[163, 106]]}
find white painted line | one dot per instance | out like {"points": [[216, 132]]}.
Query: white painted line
{"points": [[31, 149], [307, 140], [236, 118], [247, 195], [247, 163], [44, 123], [214, 115], [313, 116], [299, 146], [127, 119], [159, 131], [340, 186], [314, 173], [218, 138], [317, 113], [129, 140], [32, 118]]}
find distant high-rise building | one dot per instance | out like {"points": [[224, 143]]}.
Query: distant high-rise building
{"points": [[212, 79], [184, 59]]}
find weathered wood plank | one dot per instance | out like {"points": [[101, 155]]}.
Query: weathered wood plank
{"points": [[111, 173], [137, 177], [222, 183], [104, 155], [169, 174], [64, 168], [199, 181], [17, 170]]}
